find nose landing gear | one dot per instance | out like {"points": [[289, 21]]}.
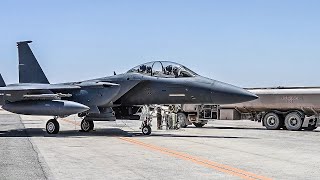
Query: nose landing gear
{"points": [[146, 130]]}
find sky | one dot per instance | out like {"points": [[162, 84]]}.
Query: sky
{"points": [[257, 43]]}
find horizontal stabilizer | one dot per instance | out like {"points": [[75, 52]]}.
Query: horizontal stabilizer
{"points": [[29, 69], [2, 83]]}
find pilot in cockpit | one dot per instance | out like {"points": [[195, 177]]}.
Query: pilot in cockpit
{"points": [[176, 71], [142, 68], [169, 70], [149, 69]]}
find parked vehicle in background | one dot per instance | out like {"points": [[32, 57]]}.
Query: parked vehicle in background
{"points": [[291, 108]]}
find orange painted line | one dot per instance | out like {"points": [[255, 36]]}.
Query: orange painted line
{"points": [[197, 160], [72, 122], [200, 161]]}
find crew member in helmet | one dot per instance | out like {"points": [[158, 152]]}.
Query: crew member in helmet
{"points": [[175, 71]]}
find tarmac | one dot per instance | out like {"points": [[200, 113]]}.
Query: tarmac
{"points": [[117, 150]]}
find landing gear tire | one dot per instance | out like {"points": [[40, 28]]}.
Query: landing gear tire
{"points": [[182, 120], [272, 121], [52, 126], [146, 130], [198, 125], [91, 125], [86, 125], [293, 121]]}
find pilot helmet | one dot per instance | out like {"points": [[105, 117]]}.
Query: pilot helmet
{"points": [[169, 69], [175, 71], [143, 68]]}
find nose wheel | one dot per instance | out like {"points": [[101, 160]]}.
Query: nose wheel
{"points": [[146, 130], [52, 126], [87, 125], [146, 127]]}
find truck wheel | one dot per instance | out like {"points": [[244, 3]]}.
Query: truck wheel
{"points": [[272, 121], [293, 121], [198, 125], [182, 120]]}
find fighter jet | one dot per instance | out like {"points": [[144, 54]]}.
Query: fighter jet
{"points": [[104, 99]]}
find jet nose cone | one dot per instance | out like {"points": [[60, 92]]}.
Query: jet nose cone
{"points": [[229, 94]]}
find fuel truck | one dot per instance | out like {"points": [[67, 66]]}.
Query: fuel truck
{"points": [[290, 108]]}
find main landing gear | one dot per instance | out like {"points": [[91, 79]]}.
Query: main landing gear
{"points": [[52, 126], [87, 125]]}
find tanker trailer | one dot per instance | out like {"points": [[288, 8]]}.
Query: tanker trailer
{"points": [[291, 108]]}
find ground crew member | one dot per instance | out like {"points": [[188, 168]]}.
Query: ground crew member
{"points": [[159, 118]]}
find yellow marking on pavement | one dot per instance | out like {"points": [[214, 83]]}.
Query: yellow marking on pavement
{"points": [[200, 161]]}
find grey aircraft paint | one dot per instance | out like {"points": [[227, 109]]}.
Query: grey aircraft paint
{"points": [[158, 82]]}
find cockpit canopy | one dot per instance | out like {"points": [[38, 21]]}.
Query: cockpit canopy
{"points": [[164, 69]]}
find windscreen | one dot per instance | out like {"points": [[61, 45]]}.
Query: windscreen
{"points": [[164, 69]]}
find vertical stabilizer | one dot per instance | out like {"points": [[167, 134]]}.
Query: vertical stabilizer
{"points": [[2, 83], [29, 68]]}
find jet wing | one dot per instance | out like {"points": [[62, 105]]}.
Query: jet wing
{"points": [[30, 87], [35, 87], [95, 84]]}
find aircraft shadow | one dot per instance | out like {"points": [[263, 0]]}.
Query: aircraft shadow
{"points": [[108, 132], [39, 132], [199, 136]]}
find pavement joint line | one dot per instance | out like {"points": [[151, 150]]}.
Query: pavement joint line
{"points": [[200, 161], [40, 159]]}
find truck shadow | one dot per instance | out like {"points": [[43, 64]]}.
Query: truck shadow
{"points": [[234, 128], [250, 128]]}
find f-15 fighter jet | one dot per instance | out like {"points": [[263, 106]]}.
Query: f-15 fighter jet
{"points": [[104, 99]]}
